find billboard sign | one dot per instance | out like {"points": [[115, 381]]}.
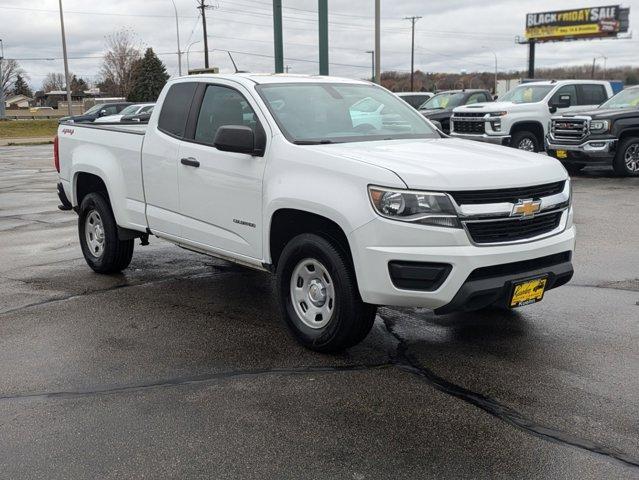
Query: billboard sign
{"points": [[581, 23]]}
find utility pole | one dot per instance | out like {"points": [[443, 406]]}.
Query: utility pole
{"points": [[66, 61], [177, 30], [2, 106], [278, 43], [322, 13], [288, 67], [531, 58], [202, 6], [378, 72], [412, 48], [372, 52]]}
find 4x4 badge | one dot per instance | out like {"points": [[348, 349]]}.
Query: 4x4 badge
{"points": [[526, 208]]}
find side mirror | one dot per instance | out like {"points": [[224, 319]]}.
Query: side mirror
{"points": [[102, 113], [562, 102], [235, 138], [495, 97]]}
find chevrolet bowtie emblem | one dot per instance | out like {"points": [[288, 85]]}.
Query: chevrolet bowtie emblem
{"points": [[526, 208]]}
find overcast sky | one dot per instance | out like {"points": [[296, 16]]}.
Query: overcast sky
{"points": [[453, 35]]}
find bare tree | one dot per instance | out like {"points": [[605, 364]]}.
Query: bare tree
{"points": [[54, 81], [117, 67], [10, 71]]}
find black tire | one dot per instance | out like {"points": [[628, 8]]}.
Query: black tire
{"points": [[115, 254], [574, 168], [351, 319], [521, 137], [619, 163]]}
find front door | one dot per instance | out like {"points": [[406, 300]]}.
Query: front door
{"points": [[221, 192]]}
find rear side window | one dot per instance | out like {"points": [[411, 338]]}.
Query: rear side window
{"points": [[175, 109], [569, 90], [592, 94]]}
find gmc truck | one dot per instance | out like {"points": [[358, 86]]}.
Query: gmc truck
{"points": [[608, 135], [287, 175], [520, 118]]}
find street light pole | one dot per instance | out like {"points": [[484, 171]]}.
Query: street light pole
{"points": [[188, 49], [493, 52], [372, 52], [177, 30], [66, 61], [2, 106]]}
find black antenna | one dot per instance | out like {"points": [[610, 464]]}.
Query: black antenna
{"points": [[234, 65]]}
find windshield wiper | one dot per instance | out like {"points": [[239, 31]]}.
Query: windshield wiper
{"points": [[313, 142]]}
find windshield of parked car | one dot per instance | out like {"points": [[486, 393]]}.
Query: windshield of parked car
{"points": [[94, 109], [131, 109], [442, 101], [312, 113], [625, 99], [527, 94]]}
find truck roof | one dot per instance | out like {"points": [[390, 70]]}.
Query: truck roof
{"points": [[263, 78], [561, 82]]}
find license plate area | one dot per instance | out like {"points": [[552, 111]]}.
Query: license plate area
{"points": [[562, 154], [528, 291]]}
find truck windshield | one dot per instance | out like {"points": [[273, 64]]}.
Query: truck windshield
{"points": [[94, 109], [527, 94], [442, 101], [625, 99], [316, 113]]}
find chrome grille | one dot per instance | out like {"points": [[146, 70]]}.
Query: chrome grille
{"points": [[570, 129], [511, 195]]}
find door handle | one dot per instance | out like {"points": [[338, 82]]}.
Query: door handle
{"points": [[190, 162]]}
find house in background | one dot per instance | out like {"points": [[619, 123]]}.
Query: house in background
{"points": [[17, 101]]}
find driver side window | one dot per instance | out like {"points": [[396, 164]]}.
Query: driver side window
{"points": [[569, 90], [222, 106]]}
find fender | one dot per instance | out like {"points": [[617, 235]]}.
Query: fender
{"points": [[127, 205]]}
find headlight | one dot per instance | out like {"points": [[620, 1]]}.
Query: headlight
{"points": [[599, 125], [425, 208], [497, 114]]}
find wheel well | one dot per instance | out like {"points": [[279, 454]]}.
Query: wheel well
{"points": [[288, 223], [628, 133], [534, 127], [86, 183]]}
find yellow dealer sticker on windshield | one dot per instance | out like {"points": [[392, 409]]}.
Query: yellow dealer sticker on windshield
{"points": [[527, 292]]}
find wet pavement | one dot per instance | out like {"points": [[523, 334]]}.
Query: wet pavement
{"points": [[179, 368]]}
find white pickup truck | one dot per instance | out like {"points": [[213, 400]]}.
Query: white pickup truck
{"points": [[283, 173], [520, 118]]}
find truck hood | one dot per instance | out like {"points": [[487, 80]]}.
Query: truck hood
{"points": [[486, 107], [603, 113], [452, 164]]}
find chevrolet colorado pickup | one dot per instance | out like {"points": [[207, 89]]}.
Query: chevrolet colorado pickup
{"points": [[287, 174], [608, 135], [520, 118]]}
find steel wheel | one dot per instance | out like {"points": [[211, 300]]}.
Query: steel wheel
{"points": [[94, 232], [631, 158], [312, 293], [527, 145]]}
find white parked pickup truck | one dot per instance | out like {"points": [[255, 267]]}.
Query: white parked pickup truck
{"points": [[272, 172], [520, 118]]}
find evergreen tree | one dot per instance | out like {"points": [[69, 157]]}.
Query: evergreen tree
{"points": [[78, 85], [20, 87], [149, 77]]}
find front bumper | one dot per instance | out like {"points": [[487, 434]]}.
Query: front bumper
{"points": [[593, 151], [496, 139], [372, 254]]}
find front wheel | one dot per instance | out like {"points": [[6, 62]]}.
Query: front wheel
{"points": [[626, 162], [318, 295], [103, 251], [525, 140]]}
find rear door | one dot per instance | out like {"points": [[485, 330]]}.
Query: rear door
{"points": [[221, 192], [160, 159], [591, 95]]}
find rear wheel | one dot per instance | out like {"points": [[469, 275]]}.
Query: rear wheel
{"points": [[626, 162], [318, 295], [525, 140], [103, 251]]}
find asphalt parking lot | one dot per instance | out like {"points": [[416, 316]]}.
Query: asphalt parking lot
{"points": [[179, 368]]}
